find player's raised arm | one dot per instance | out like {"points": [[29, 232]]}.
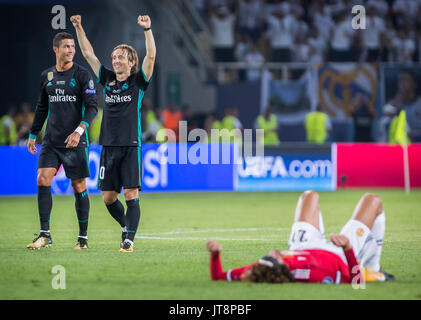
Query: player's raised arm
{"points": [[215, 265], [85, 45], [149, 60]]}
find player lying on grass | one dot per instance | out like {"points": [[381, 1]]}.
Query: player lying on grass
{"points": [[310, 257]]}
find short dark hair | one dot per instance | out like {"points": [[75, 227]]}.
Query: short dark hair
{"points": [[61, 36]]}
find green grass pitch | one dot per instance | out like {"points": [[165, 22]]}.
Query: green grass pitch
{"points": [[170, 260]]}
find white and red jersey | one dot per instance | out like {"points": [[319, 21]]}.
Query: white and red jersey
{"points": [[313, 265], [317, 265]]}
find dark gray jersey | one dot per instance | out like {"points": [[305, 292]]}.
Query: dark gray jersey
{"points": [[121, 121], [66, 99]]}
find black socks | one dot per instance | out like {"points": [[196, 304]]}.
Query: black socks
{"points": [[116, 210], [82, 211], [45, 204], [132, 217]]}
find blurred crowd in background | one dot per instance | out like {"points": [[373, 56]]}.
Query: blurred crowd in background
{"points": [[16, 124], [313, 31], [256, 31]]}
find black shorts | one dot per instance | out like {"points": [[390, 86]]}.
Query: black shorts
{"points": [[74, 160], [120, 167]]}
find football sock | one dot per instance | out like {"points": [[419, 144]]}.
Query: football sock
{"points": [[129, 241], [82, 211], [133, 217], [321, 226], [378, 230], [116, 210], [45, 204]]}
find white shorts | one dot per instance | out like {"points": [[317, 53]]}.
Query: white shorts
{"points": [[306, 236]]}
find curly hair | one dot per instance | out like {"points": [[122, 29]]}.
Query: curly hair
{"points": [[263, 273], [131, 54]]}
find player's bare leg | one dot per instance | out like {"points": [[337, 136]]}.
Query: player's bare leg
{"points": [[44, 178], [307, 212], [109, 197], [82, 211], [308, 208], [130, 194], [369, 211], [132, 217]]}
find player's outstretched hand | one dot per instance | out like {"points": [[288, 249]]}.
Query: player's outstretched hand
{"points": [[76, 20], [144, 21], [31, 146], [213, 246], [72, 140], [340, 241]]}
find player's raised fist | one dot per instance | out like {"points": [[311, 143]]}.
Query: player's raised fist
{"points": [[213, 246], [76, 20], [144, 21]]}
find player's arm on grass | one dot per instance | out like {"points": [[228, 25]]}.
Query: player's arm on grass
{"points": [[41, 113], [149, 60], [215, 265], [85, 46], [353, 265]]}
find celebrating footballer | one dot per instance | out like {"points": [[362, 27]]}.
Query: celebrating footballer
{"points": [[125, 85], [68, 102]]}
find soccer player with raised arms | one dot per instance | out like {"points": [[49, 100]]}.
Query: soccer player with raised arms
{"points": [[124, 87], [68, 102]]}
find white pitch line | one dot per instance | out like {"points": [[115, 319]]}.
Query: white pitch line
{"points": [[200, 239], [216, 230], [158, 235]]}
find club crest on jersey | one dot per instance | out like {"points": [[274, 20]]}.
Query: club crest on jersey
{"points": [[72, 82], [327, 280], [50, 76], [360, 232], [125, 86]]}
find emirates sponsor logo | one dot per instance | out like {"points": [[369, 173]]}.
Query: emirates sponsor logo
{"points": [[117, 98], [61, 97], [65, 98]]}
